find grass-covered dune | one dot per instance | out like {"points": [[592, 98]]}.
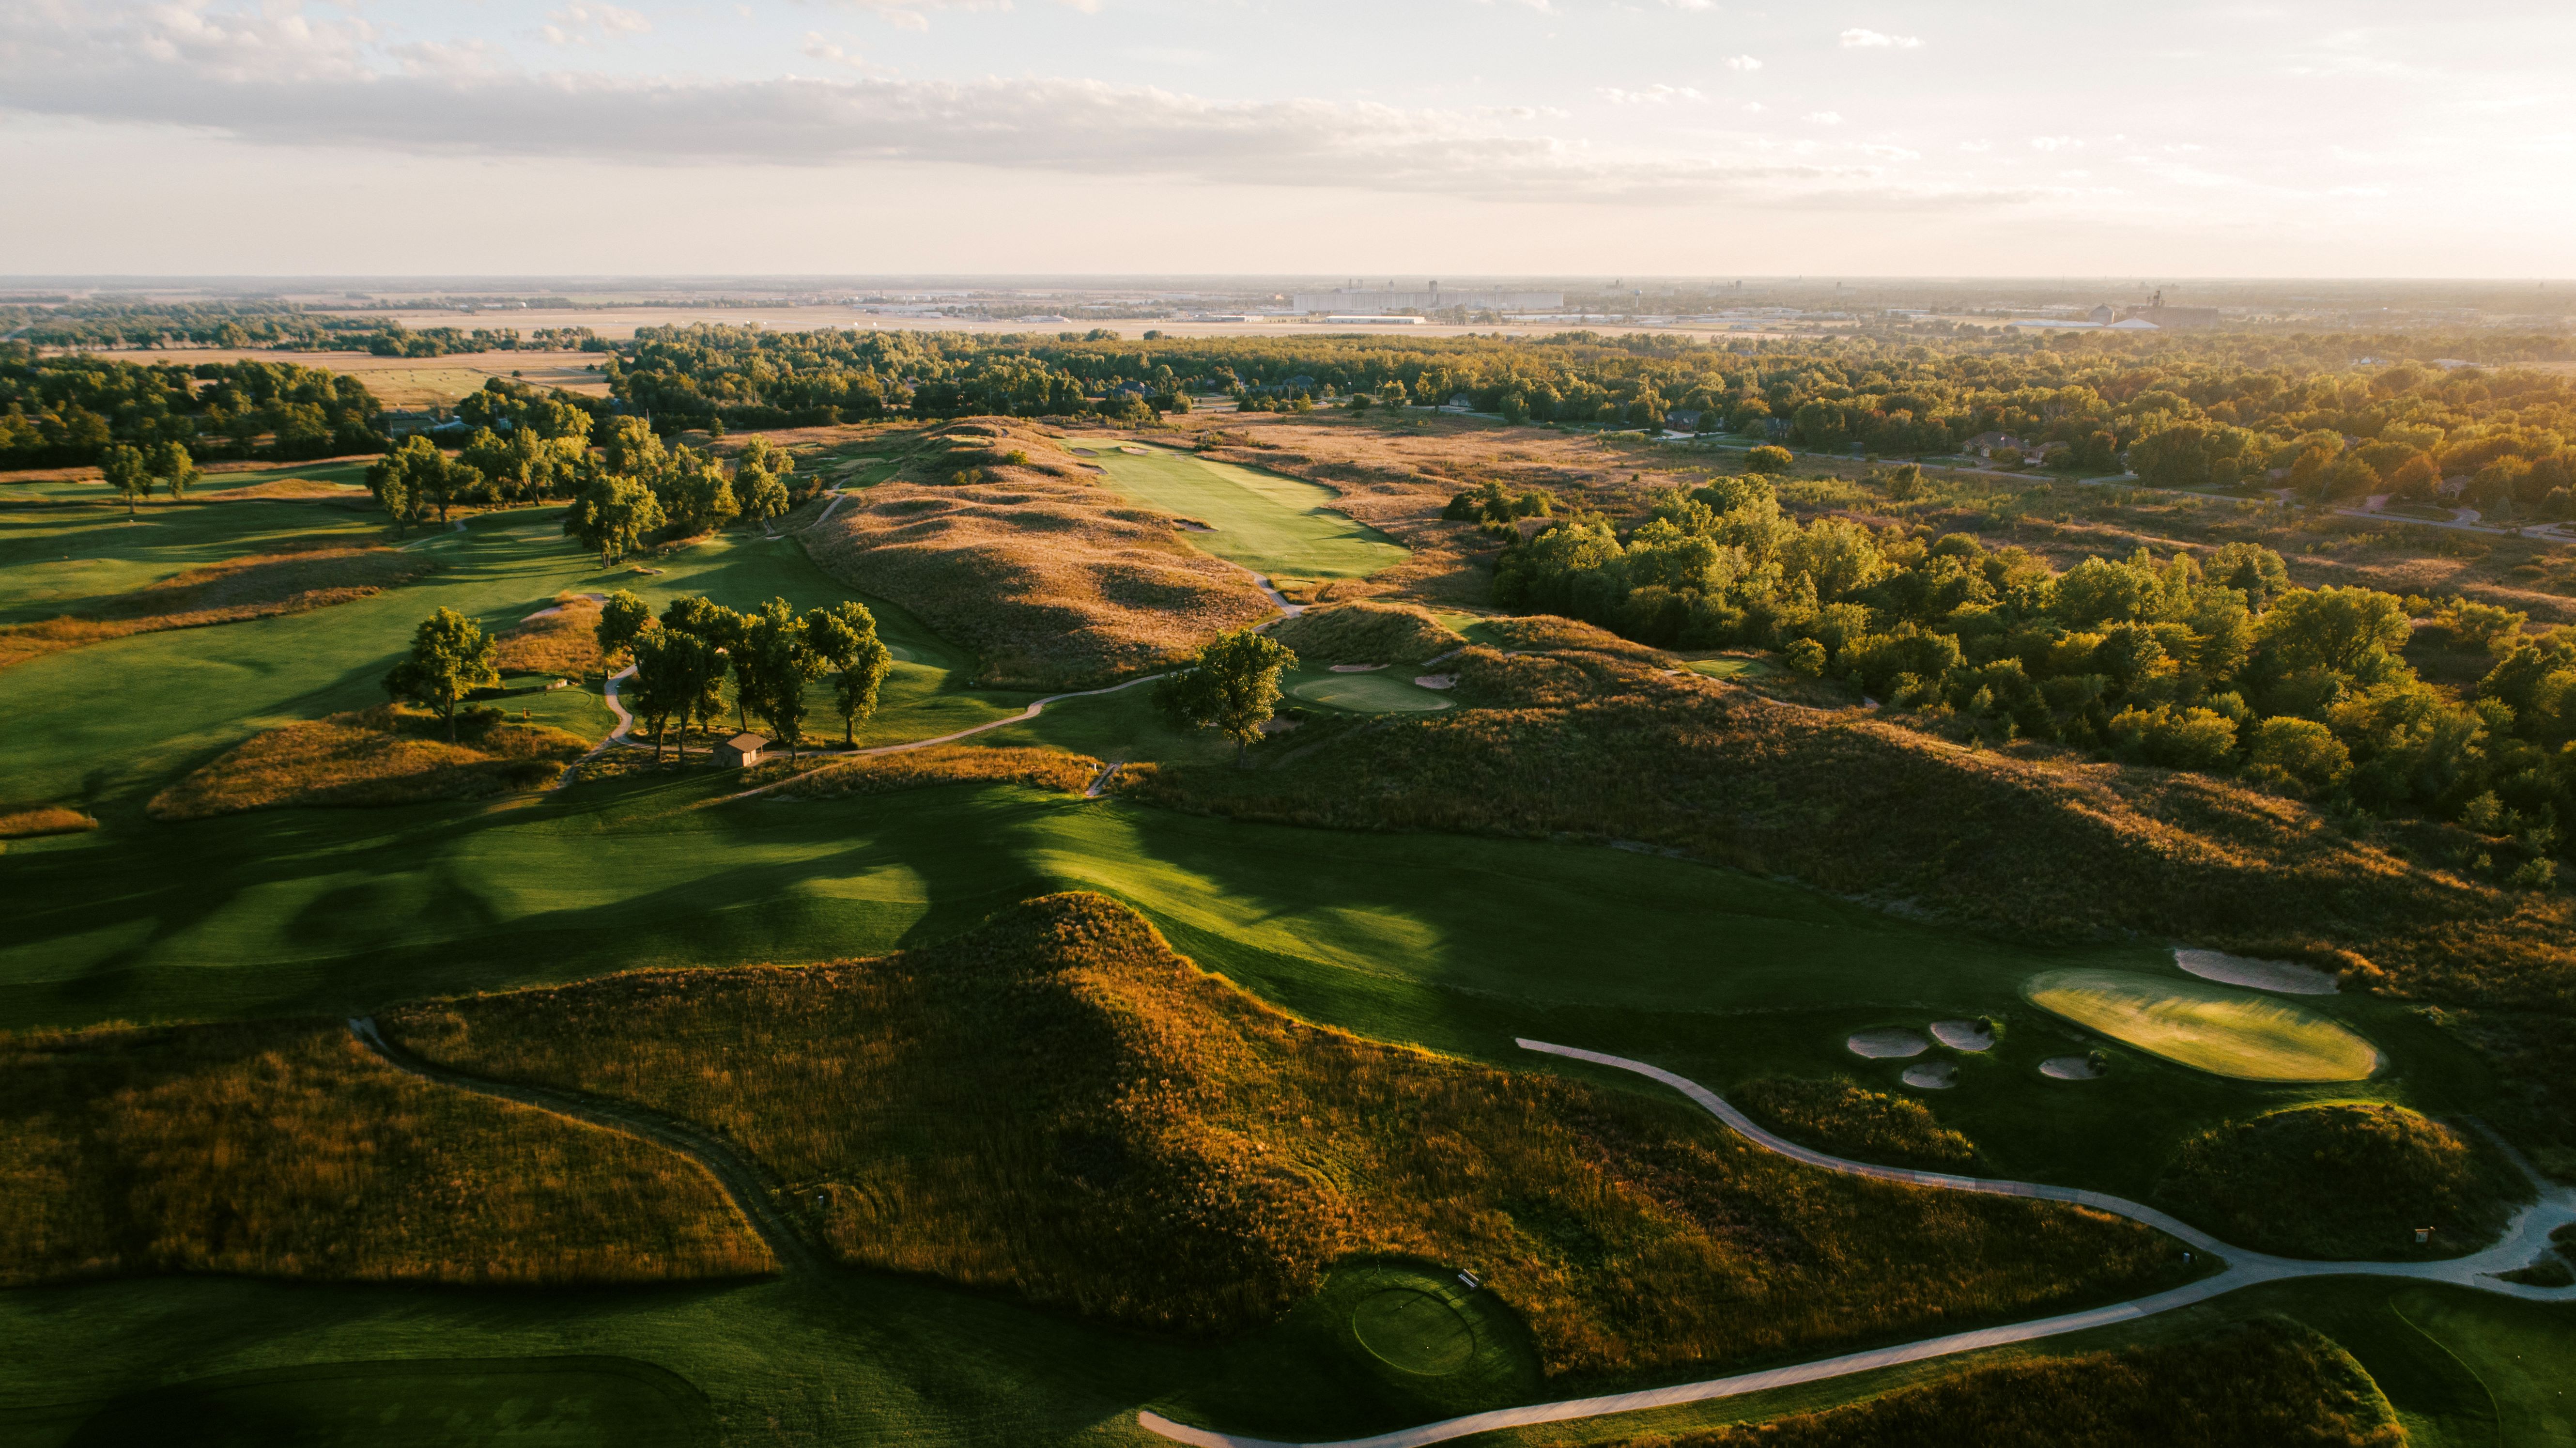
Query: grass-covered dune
{"points": [[1366, 632], [1585, 733], [1058, 1107], [1001, 541], [286, 1149], [2344, 1179], [380, 756]]}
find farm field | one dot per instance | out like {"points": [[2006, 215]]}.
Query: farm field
{"points": [[1276, 526], [418, 382]]}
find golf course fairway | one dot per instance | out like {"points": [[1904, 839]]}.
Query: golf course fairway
{"points": [[2236, 1033], [1268, 523]]}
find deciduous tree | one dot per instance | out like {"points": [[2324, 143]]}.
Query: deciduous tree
{"points": [[1233, 688], [450, 658]]}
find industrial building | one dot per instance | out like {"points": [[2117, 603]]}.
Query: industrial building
{"points": [[1433, 298]]}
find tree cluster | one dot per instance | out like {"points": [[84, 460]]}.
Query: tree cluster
{"points": [[684, 659], [2213, 664], [57, 411]]}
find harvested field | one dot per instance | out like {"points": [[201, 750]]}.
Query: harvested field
{"points": [[228, 592], [1059, 1108], [416, 382], [286, 1149], [378, 756], [994, 536]]}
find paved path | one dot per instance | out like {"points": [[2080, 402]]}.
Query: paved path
{"points": [[753, 1191], [906, 747], [2524, 1240]]}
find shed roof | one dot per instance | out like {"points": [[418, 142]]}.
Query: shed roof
{"points": [[746, 743]]}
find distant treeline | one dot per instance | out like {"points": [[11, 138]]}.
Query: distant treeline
{"points": [[269, 325], [2330, 415]]}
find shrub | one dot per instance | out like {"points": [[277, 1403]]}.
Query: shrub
{"points": [[1842, 1117], [2346, 1179], [2300, 755], [1806, 656], [1769, 458]]}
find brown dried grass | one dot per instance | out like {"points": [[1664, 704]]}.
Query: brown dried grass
{"points": [[20, 824], [561, 639], [1365, 632], [956, 764], [1060, 1108], [379, 756], [228, 592], [286, 1149], [1050, 578]]}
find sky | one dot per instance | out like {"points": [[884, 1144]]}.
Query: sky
{"points": [[1413, 138]]}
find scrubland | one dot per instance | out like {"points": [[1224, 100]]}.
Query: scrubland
{"points": [[389, 754], [2340, 1180], [999, 539], [286, 1149], [1059, 1108]]}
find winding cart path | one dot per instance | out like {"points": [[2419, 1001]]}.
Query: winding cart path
{"points": [[2523, 1240]]}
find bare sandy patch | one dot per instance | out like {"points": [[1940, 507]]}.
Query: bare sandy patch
{"points": [[1932, 1076], [2068, 1068], [1964, 1035], [1890, 1043], [2287, 977]]}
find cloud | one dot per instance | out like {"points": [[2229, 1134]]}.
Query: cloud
{"points": [[1859, 39], [580, 24], [1754, 108], [1825, 118], [279, 80], [1892, 153], [1742, 62], [1976, 145], [818, 48], [2055, 143], [1653, 95]]}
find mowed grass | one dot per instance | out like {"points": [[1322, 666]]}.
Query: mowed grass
{"points": [[111, 723], [2238, 1033], [550, 1402], [1057, 1107], [56, 560], [1388, 691], [1270, 524]]}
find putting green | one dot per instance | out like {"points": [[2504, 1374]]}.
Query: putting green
{"points": [[1370, 694], [1731, 668], [419, 1403], [1414, 1330], [2210, 1028], [1267, 523]]}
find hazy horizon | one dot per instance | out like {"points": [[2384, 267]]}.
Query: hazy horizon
{"points": [[1127, 137]]}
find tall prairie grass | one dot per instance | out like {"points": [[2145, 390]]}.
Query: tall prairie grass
{"points": [[1059, 1108], [289, 1150], [998, 539], [380, 756], [1586, 735]]}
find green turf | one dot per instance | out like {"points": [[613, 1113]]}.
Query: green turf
{"points": [[58, 560], [2219, 1029], [1387, 691], [1270, 524], [536, 1402], [107, 725], [1731, 668]]}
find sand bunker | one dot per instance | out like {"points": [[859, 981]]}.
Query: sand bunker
{"points": [[1357, 668], [1887, 1044], [558, 608], [2287, 977], [2068, 1068], [1964, 1035], [1436, 681], [1933, 1075]]}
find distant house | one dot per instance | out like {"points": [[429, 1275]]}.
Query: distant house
{"points": [[1461, 402], [2133, 324], [2100, 316], [1985, 443], [741, 751]]}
